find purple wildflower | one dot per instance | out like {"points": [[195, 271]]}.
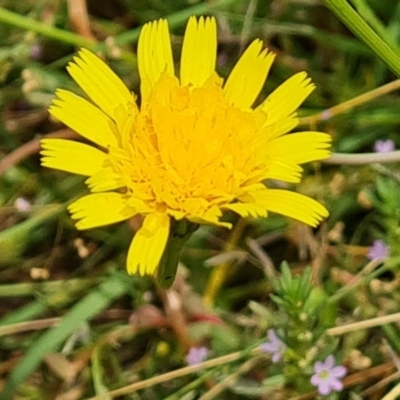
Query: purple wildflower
{"points": [[36, 52], [327, 376], [378, 250], [22, 205], [383, 146], [325, 115], [274, 346], [196, 355]]}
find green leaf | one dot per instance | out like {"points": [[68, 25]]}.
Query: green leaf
{"points": [[14, 240], [87, 308], [25, 313], [224, 339], [346, 13]]}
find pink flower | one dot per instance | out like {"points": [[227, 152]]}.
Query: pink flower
{"points": [[274, 346], [22, 205], [325, 115], [36, 52], [383, 146], [196, 355], [327, 376], [378, 250]]}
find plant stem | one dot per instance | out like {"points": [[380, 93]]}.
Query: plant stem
{"points": [[180, 233], [346, 13], [220, 361], [220, 273], [14, 19], [366, 12], [176, 19], [365, 158]]}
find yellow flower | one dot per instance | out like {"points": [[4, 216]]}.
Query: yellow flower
{"points": [[195, 147]]}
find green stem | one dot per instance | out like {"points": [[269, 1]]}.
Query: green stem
{"points": [[391, 334], [343, 10], [361, 281], [191, 386], [31, 289], [177, 18], [180, 233], [14, 19], [369, 16]]}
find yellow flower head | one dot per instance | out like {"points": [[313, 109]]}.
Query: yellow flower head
{"points": [[194, 147]]}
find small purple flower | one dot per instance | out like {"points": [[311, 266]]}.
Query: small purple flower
{"points": [[378, 250], [327, 376], [325, 115], [196, 355], [22, 205], [274, 346], [383, 146], [36, 52]]}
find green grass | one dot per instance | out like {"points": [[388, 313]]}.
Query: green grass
{"points": [[74, 324]]}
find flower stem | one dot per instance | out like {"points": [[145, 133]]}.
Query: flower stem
{"points": [[220, 273], [180, 233], [346, 13], [14, 19]]}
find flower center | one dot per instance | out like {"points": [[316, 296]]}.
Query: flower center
{"points": [[189, 150], [324, 375]]}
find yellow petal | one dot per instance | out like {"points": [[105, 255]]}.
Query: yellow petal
{"points": [[104, 180], [301, 147], [148, 245], [287, 98], [154, 54], [70, 156], [84, 118], [100, 83], [199, 51], [291, 204], [100, 209], [248, 75], [247, 209], [209, 217], [279, 128], [280, 169]]}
